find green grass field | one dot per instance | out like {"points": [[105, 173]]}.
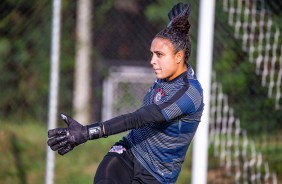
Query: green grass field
{"points": [[23, 157]]}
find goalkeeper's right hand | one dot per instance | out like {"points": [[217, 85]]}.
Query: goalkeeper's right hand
{"points": [[65, 139]]}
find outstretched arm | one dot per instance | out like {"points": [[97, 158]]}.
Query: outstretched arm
{"points": [[65, 139]]}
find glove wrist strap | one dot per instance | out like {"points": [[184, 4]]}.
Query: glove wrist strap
{"points": [[95, 131]]}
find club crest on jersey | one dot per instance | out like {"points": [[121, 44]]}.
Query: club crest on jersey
{"points": [[159, 95]]}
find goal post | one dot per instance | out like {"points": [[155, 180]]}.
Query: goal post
{"points": [[54, 86], [203, 70]]}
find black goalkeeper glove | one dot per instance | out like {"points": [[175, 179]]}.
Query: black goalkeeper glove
{"points": [[65, 139], [178, 9]]}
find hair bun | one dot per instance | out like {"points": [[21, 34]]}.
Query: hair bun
{"points": [[179, 17]]}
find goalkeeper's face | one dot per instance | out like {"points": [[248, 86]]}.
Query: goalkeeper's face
{"points": [[165, 62]]}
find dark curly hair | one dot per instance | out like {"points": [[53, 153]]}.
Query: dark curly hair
{"points": [[177, 33]]}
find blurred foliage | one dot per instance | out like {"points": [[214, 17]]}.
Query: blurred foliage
{"points": [[239, 81], [25, 29], [24, 67]]}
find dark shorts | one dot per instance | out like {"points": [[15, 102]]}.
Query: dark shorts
{"points": [[119, 166]]}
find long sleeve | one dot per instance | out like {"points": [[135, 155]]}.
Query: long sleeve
{"points": [[146, 114]]}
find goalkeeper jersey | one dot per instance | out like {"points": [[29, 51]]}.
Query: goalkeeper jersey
{"points": [[161, 147]]}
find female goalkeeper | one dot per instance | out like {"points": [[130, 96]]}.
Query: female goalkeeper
{"points": [[162, 129]]}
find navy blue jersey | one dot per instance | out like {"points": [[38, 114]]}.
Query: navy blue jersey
{"points": [[161, 147]]}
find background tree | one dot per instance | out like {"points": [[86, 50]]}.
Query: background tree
{"points": [[82, 80]]}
